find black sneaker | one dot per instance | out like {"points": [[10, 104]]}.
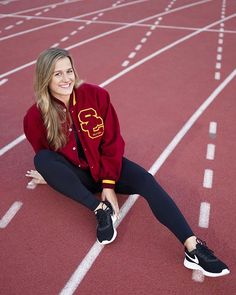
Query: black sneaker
{"points": [[203, 259], [106, 233]]}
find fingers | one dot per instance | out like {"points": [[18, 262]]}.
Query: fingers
{"points": [[36, 177], [116, 209], [32, 173]]}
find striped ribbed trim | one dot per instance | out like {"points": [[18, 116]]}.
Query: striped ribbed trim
{"points": [[107, 181], [74, 100]]}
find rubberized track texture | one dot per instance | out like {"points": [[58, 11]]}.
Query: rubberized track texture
{"points": [[170, 69]]}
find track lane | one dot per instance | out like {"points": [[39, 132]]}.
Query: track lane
{"points": [[132, 107]]}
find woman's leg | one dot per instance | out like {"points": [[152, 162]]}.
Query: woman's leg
{"points": [[66, 178], [136, 180]]}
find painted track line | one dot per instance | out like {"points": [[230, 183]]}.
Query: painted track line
{"points": [[12, 144], [82, 269], [128, 69], [60, 20], [9, 215], [72, 1], [111, 32]]}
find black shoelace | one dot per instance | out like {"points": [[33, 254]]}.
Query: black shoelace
{"points": [[101, 215], [205, 252]]}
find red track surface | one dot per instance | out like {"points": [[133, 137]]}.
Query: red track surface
{"points": [[50, 235]]}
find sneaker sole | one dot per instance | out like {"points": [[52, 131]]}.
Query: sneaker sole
{"points": [[106, 242], [195, 266]]}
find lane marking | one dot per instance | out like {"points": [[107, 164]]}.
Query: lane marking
{"points": [[3, 81], [12, 144], [138, 47], [212, 128], [60, 20], [210, 151], [144, 39], [218, 65], [198, 276], [45, 6], [85, 265], [217, 75], [204, 215], [208, 178], [122, 28], [78, 19], [125, 63], [9, 215]]}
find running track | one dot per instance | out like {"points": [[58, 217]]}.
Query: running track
{"points": [[170, 69]]}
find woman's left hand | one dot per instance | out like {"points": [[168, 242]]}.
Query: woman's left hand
{"points": [[110, 195]]}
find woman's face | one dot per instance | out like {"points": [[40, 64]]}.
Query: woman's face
{"points": [[63, 80]]}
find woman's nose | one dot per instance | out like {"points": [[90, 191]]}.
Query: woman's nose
{"points": [[65, 78]]}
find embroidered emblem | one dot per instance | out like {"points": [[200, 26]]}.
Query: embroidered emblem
{"points": [[91, 123]]}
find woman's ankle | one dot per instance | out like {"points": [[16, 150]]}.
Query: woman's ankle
{"points": [[191, 243]]}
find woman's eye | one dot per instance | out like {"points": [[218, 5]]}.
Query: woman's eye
{"points": [[70, 71], [57, 74]]}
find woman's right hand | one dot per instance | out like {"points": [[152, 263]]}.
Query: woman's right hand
{"points": [[37, 178]]}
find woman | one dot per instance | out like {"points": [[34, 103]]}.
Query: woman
{"points": [[75, 133]]}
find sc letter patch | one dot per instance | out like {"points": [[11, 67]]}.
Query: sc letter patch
{"points": [[91, 123]]}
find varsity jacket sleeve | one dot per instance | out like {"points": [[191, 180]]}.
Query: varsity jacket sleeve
{"points": [[34, 129], [111, 148]]}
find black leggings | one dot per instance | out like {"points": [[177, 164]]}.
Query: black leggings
{"points": [[79, 185]]}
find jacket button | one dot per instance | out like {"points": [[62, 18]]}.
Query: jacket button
{"points": [[74, 148], [70, 129]]}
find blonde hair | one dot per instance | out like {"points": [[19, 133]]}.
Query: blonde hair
{"points": [[53, 115]]}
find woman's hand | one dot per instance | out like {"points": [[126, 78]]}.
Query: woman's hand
{"points": [[36, 178], [110, 195]]}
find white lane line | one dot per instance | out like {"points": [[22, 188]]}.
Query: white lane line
{"points": [[41, 7], [119, 29], [9, 215], [219, 57], [217, 75], [73, 33], [12, 144], [208, 178], [212, 128], [204, 215], [64, 39], [132, 54], [96, 249], [218, 65], [19, 22], [138, 47], [9, 27], [198, 276], [125, 63], [143, 40], [77, 18], [3, 81], [210, 155]]}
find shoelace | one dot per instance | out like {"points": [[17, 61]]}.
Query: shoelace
{"points": [[205, 251], [101, 215]]}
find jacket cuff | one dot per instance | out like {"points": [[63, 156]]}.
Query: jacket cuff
{"points": [[107, 183]]}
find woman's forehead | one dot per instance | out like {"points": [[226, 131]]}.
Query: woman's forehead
{"points": [[62, 64]]}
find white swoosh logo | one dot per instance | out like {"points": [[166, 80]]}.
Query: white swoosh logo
{"points": [[195, 259]]}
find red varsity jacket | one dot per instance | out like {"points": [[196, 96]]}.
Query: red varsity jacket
{"points": [[97, 127]]}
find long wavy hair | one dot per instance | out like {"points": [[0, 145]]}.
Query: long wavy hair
{"points": [[53, 115]]}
